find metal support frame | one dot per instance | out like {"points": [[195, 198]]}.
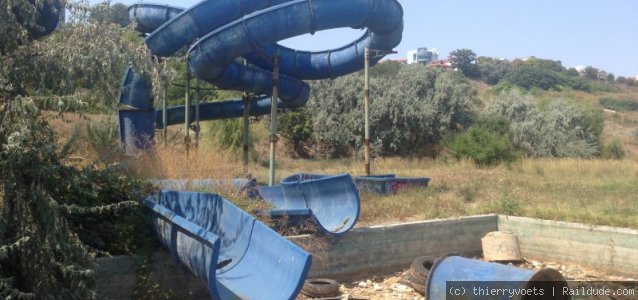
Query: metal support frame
{"points": [[165, 116], [187, 137], [369, 53], [273, 118], [197, 100], [366, 99], [246, 131]]}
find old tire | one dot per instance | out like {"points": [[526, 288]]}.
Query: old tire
{"points": [[409, 280], [320, 288], [420, 268]]}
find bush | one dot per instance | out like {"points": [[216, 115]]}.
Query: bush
{"points": [[492, 70], [409, 112], [613, 150], [296, 126], [529, 77], [559, 129], [618, 104], [483, 146]]}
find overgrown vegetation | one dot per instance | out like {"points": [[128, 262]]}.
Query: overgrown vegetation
{"points": [[409, 112], [51, 207], [559, 128], [619, 104], [486, 142]]}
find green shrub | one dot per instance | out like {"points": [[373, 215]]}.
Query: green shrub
{"points": [[558, 129], [618, 104], [483, 146], [529, 77], [296, 126], [613, 150], [103, 138], [409, 112]]}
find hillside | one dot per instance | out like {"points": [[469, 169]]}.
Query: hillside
{"points": [[619, 124]]}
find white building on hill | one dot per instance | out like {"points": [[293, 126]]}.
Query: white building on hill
{"points": [[423, 55]]}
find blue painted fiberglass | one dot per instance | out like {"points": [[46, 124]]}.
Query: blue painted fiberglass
{"points": [[48, 17], [135, 91], [452, 274], [332, 201], [237, 256], [136, 129], [224, 30]]}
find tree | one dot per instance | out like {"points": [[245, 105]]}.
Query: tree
{"points": [[611, 77], [558, 129], [409, 112], [106, 13], [41, 197], [621, 79], [591, 73], [464, 60], [492, 70]]}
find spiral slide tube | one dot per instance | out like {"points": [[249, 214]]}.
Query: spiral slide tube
{"points": [[224, 30]]}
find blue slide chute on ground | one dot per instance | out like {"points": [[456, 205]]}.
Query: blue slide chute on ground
{"points": [[332, 201], [224, 30], [237, 256]]}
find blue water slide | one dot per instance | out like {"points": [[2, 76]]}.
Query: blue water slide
{"points": [[223, 30], [48, 17], [331, 201], [237, 256]]}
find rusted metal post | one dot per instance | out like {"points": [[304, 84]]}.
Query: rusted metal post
{"points": [[197, 98], [165, 115], [273, 118], [187, 137], [246, 128], [366, 97], [246, 133]]}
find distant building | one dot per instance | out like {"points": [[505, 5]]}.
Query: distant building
{"points": [[423, 56], [444, 63]]}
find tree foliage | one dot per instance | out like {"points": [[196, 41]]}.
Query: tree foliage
{"points": [[557, 129], [465, 61], [107, 13], [46, 203], [484, 143], [492, 70], [409, 112]]}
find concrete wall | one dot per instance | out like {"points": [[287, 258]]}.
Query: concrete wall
{"points": [[614, 250], [117, 277], [369, 250]]}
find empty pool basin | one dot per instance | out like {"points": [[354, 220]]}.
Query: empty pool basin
{"points": [[388, 184], [237, 256], [332, 201]]}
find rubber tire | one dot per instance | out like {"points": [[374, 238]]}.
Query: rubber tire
{"points": [[409, 280], [420, 268], [320, 288]]}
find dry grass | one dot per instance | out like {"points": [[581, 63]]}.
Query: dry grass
{"points": [[601, 192], [590, 191]]}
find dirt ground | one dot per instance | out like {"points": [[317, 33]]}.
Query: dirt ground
{"points": [[388, 287]]}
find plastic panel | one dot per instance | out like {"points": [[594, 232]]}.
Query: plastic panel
{"points": [[253, 261]]}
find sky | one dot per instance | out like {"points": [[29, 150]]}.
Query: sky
{"points": [[600, 33]]}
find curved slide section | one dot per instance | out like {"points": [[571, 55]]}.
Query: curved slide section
{"points": [[332, 201], [227, 29], [237, 256]]}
